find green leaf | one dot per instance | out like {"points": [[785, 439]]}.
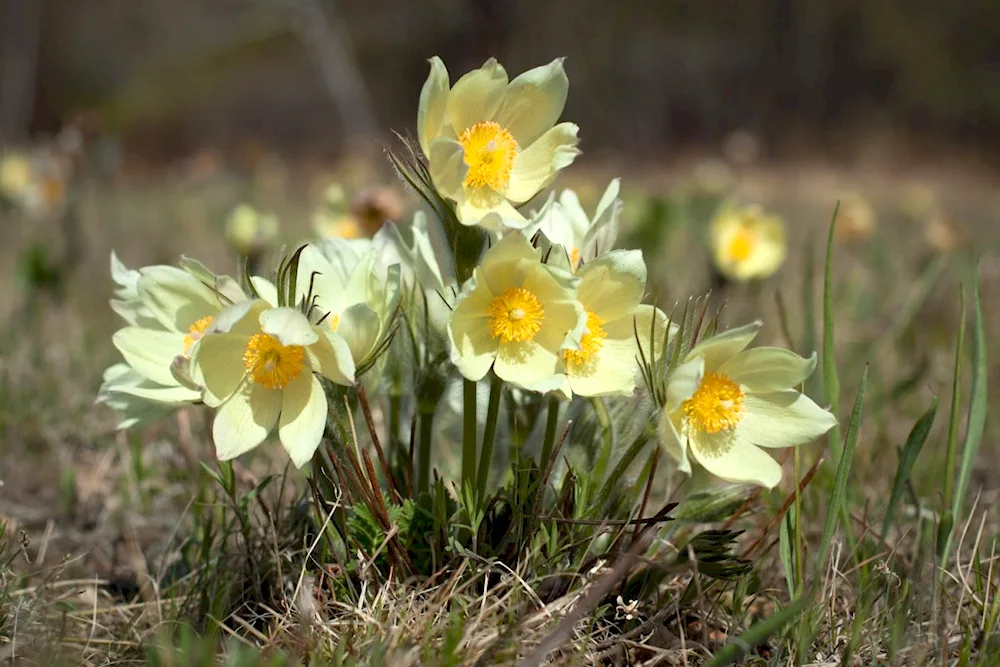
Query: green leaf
{"points": [[831, 382], [911, 450], [843, 474]]}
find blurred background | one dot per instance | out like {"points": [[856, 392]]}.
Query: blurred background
{"points": [[839, 79]]}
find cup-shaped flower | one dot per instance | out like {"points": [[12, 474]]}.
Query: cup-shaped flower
{"points": [[169, 309], [258, 366], [747, 244], [516, 315], [564, 222], [611, 290], [492, 144], [725, 402]]}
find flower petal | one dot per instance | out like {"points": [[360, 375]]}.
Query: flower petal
{"points": [[536, 166], [244, 420], [331, 357], [493, 213], [684, 382], [158, 393], [670, 438], [150, 352], [529, 365], [217, 365], [472, 347], [724, 346], [433, 102], [265, 290], [782, 419], [303, 417], [359, 327], [289, 326], [612, 285], [476, 96], [764, 369], [731, 458], [448, 169], [175, 297], [534, 101]]}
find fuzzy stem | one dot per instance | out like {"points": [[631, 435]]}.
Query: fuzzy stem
{"points": [[604, 419], [551, 426], [424, 447], [489, 435], [468, 433]]}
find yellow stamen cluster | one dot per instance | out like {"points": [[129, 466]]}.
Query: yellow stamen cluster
{"points": [[742, 244], [590, 343], [196, 332], [716, 405], [515, 316], [271, 364], [489, 152]]}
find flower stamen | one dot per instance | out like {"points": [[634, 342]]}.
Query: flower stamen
{"points": [[515, 316], [717, 404], [590, 343], [489, 153], [271, 364], [196, 332], [742, 244]]}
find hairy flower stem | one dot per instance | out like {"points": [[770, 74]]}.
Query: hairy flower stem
{"points": [[424, 448], [489, 435], [604, 419], [551, 426], [468, 433]]}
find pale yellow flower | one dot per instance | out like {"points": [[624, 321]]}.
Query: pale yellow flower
{"points": [[725, 402], [516, 315], [16, 175], [747, 244], [257, 366], [249, 231], [564, 222], [493, 144], [611, 290]]}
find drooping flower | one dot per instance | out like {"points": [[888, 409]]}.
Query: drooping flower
{"points": [[257, 366], [747, 243], [564, 223], [725, 402], [611, 290], [168, 310], [516, 315], [493, 144]]}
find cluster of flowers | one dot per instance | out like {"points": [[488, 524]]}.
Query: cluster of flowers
{"points": [[550, 306]]}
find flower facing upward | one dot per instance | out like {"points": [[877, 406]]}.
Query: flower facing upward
{"points": [[747, 244], [257, 367], [493, 143], [610, 290], [516, 315], [564, 222], [724, 402]]}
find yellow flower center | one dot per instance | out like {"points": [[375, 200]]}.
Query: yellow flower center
{"points": [[489, 152], [347, 228], [515, 316], [270, 363], [590, 343], [742, 244], [196, 332], [717, 405]]}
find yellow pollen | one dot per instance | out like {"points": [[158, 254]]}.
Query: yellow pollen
{"points": [[590, 343], [334, 321], [515, 316], [196, 332], [270, 363], [716, 405], [489, 152], [742, 244], [574, 258]]}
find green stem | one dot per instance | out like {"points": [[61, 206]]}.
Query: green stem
{"points": [[468, 433], [619, 470], [424, 452], [604, 419], [551, 426], [489, 435]]}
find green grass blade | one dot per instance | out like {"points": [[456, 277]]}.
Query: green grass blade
{"points": [[831, 382], [911, 450], [951, 453], [976, 421], [843, 473], [757, 633]]}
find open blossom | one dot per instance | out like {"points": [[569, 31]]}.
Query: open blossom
{"points": [[258, 366], [564, 222], [747, 243], [494, 143], [516, 315], [611, 290], [725, 402]]}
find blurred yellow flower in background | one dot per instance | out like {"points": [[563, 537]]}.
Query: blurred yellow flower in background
{"points": [[747, 243], [493, 143], [16, 175], [249, 231], [855, 219]]}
